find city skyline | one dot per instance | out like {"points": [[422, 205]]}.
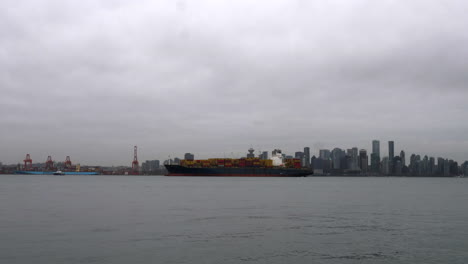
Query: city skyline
{"points": [[92, 79], [374, 145]]}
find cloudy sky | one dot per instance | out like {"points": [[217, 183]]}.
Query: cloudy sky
{"points": [[91, 79]]}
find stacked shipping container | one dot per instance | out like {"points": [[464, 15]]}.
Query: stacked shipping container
{"points": [[243, 162]]}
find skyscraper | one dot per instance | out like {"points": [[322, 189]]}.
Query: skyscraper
{"points": [[391, 157], [391, 150], [299, 155], [336, 156], [376, 147], [324, 154], [375, 156], [363, 160], [307, 157], [354, 159], [432, 168], [385, 167], [403, 159]]}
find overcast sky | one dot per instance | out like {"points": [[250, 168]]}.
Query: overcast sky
{"points": [[91, 79]]}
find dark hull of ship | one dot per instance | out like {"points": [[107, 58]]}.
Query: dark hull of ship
{"points": [[177, 170]]}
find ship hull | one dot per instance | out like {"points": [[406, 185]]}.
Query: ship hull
{"points": [[177, 170]]}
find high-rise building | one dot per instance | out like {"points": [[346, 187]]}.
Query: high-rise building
{"points": [[440, 166], [385, 166], [363, 160], [264, 155], [324, 154], [376, 147], [432, 167], [425, 166], [454, 169], [398, 166], [155, 164], [299, 155], [403, 159], [318, 165], [375, 163], [312, 162], [353, 160], [150, 166], [336, 155], [307, 157], [391, 150], [375, 156], [446, 168], [189, 156], [391, 156]]}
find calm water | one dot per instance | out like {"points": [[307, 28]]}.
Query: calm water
{"points": [[128, 219]]}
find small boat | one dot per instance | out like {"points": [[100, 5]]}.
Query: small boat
{"points": [[59, 173]]}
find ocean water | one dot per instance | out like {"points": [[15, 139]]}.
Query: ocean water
{"points": [[151, 219]]}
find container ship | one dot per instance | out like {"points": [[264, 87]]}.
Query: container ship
{"points": [[244, 167]]}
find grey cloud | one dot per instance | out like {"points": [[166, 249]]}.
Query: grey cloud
{"points": [[91, 79]]}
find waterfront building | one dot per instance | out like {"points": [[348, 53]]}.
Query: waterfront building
{"points": [[298, 155], [375, 163], [432, 168], [453, 168], [376, 147], [391, 156], [353, 161], [425, 166], [385, 166], [391, 150], [363, 161], [403, 158], [306, 157], [446, 168], [150, 166], [440, 167], [398, 166], [312, 162], [318, 165], [324, 154], [375, 156], [336, 155]]}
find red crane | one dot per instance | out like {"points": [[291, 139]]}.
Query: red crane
{"points": [[49, 165], [135, 166], [28, 162], [68, 163]]}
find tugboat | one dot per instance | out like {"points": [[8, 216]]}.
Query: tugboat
{"points": [[59, 173]]}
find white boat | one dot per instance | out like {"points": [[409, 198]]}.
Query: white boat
{"points": [[59, 173]]}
